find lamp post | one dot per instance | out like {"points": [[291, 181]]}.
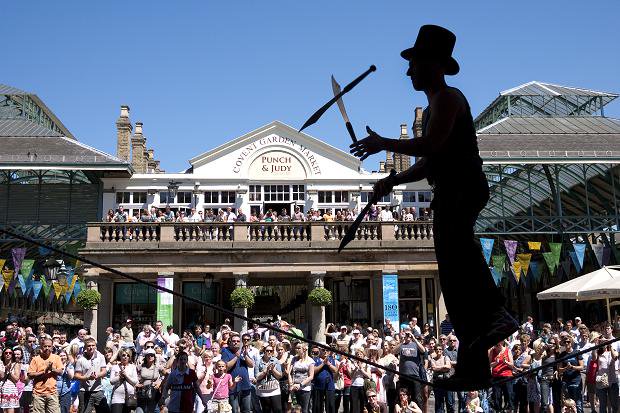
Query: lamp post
{"points": [[173, 187], [52, 268], [196, 193], [208, 280]]}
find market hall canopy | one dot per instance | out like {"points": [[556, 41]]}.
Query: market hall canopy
{"points": [[551, 159]]}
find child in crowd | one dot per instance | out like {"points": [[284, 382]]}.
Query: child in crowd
{"points": [[221, 382], [473, 402]]}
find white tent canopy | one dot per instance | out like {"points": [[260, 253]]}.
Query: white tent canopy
{"points": [[601, 284]]}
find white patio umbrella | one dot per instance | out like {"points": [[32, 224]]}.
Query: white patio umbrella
{"points": [[603, 283]]}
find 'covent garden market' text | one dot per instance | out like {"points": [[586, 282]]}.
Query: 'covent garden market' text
{"points": [[249, 149]]}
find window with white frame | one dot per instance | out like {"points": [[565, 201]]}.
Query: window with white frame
{"points": [[184, 198], [277, 192], [424, 196], [123, 197], [212, 197], [341, 197], [299, 192], [325, 197], [139, 197], [365, 196], [409, 196], [255, 193], [165, 198], [228, 197]]}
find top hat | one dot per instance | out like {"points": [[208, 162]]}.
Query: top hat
{"points": [[437, 43]]}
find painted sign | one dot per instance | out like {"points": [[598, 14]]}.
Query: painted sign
{"points": [[277, 164], [164, 301], [390, 300]]}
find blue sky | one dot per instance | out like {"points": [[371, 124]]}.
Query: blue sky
{"points": [[199, 73]]}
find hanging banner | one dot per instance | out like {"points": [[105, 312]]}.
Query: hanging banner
{"points": [[556, 250], [533, 245], [511, 249], [573, 257], [497, 276], [22, 283], [580, 252], [390, 300], [550, 261], [524, 260], [598, 252], [26, 268], [164, 301], [2, 261], [536, 270], [499, 261], [57, 289], [18, 255], [7, 276], [487, 248], [37, 286]]}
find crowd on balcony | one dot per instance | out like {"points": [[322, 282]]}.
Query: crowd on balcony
{"points": [[149, 368]]}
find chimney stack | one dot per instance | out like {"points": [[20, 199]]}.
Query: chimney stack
{"points": [[402, 162], [417, 124], [138, 150], [123, 134]]}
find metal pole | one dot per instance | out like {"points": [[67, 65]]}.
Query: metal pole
{"points": [[608, 311]]}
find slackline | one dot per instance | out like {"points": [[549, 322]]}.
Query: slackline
{"points": [[279, 330]]}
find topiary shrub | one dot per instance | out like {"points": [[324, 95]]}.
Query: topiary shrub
{"points": [[320, 296], [242, 297], [88, 299]]}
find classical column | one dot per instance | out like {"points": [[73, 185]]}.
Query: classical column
{"points": [[99, 318], [241, 280], [317, 313]]}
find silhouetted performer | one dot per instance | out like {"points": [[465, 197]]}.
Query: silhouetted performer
{"points": [[448, 158]]}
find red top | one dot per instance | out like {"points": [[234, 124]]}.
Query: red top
{"points": [[502, 369]]}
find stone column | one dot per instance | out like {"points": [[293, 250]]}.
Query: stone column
{"points": [[99, 318], [241, 280], [317, 313]]}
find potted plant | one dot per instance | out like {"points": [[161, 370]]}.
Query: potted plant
{"points": [[242, 297], [320, 296], [88, 299]]}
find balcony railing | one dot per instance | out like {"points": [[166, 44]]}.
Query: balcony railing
{"points": [[258, 232]]}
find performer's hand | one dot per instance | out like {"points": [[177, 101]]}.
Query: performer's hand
{"points": [[370, 145], [383, 187]]}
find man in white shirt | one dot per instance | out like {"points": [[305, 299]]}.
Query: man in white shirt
{"points": [[358, 341], [79, 340], [415, 327], [385, 214]]}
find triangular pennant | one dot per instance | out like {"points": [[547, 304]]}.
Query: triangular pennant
{"points": [[524, 260], [29, 281], [566, 267], [580, 252], [2, 261], [76, 290], [45, 286], [533, 245], [18, 255], [57, 289], [37, 286], [499, 261], [22, 283], [26, 268], [68, 295], [516, 268], [487, 248], [556, 250], [606, 255], [7, 276], [511, 249], [497, 277], [536, 270], [575, 260], [550, 261], [598, 253]]}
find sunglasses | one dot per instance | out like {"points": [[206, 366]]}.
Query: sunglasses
{"points": [[150, 346]]}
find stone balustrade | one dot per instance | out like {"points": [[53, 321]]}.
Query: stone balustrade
{"points": [[263, 233]]}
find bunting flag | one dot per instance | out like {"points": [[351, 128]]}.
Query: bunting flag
{"points": [[511, 249], [26, 268], [22, 283], [598, 252], [536, 270], [57, 289], [45, 286], [556, 250], [2, 261], [550, 261], [566, 267], [580, 252], [576, 263], [498, 263], [524, 259], [37, 286], [18, 255], [497, 276], [76, 290], [68, 295], [533, 245], [516, 268], [487, 248], [12, 284], [7, 276], [29, 281]]}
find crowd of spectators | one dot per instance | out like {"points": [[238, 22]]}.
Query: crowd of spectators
{"points": [[152, 369]]}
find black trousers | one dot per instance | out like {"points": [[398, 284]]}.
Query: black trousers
{"points": [[463, 272], [323, 401]]}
